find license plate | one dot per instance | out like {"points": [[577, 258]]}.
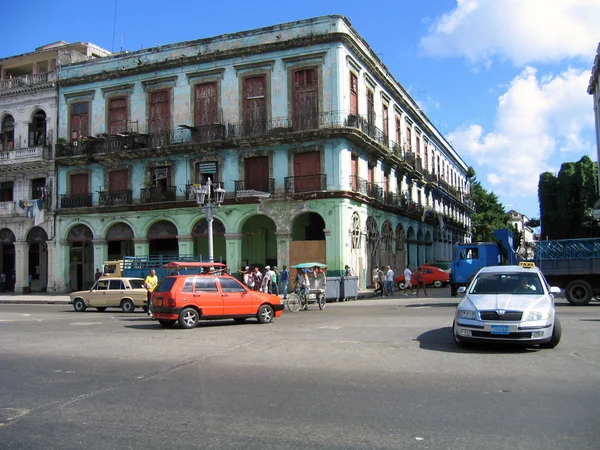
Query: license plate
{"points": [[159, 302], [500, 329]]}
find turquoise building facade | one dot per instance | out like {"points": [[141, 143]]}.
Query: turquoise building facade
{"points": [[322, 154]]}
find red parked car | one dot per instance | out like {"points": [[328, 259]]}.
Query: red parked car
{"points": [[431, 276]]}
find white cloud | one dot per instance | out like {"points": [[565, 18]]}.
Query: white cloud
{"points": [[536, 118], [522, 31]]}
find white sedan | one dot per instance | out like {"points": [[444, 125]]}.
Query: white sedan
{"points": [[508, 304]]}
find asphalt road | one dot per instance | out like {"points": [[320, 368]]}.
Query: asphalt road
{"points": [[371, 374]]}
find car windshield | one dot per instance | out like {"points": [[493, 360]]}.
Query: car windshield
{"points": [[507, 283], [165, 285]]}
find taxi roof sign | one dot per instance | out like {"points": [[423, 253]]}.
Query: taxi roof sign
{"points": [[527, 264]]}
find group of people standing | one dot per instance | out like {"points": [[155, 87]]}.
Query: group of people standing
{"points": [[268, 281], [383, 280]]}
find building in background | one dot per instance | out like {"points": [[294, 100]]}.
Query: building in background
{"points": [[322, 153], [518, 221], [28, 106], [594, 91]]}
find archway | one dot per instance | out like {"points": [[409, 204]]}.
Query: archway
{"points": [[119, 239], [259, 245], [38, 258], [308, 239], [400, 256], [81, 258], [162, 239], [200, 235], [386, 250], [37, 129], [411, 248], [373, 240], [7, 257], [356, 257]]}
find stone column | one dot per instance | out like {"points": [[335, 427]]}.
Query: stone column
{"points": [[63, 277], [233, 251], [52, 266], [100, 253], [283, 248], [21, 266], [186, 245], [142, 246]]}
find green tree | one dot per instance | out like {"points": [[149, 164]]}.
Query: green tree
{"points": [[489, 212]]}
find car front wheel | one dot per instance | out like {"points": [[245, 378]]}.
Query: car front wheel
{"points": [[265, 314], [401, 285], [79, 305], [437, 283], [188, 318], [556, 334]]}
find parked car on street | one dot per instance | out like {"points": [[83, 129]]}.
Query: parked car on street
{"points": [[507, 304], [431, 276], [187, 299], [112, 292], [446, 266]]}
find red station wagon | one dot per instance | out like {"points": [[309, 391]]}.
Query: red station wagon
{"points": [[191, 298]]}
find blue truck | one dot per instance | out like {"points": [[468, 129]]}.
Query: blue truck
{"points": [[571, 264]]}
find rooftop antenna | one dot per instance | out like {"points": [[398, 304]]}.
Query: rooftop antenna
{"points": [[114, 28]]}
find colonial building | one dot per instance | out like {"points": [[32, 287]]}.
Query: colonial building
{"points": [[526, 247], [28, 106], [594, 91], [322, 153]]}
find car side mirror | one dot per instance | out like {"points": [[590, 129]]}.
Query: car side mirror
{"points": [[462, 290], [554, 290]]}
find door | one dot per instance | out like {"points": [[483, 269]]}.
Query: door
{"points": [[79, 184], [307, 172], [79, 120], [98, 294], [205, 111], [257, 173], [116, 290], [237, 300], [117, 180], [207, 296], [354, 172], [255, 105], [306, 99], [159, 118], [353, 94], [118, 115]]}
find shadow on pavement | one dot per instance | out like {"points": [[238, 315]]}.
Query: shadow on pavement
{"points": [[441, 340], [153, 324]]}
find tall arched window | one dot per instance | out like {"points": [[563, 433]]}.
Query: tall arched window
{"points": [[8, 133]]}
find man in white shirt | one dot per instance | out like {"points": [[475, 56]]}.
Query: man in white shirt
{"points": [[407, 280], [389, 281]]}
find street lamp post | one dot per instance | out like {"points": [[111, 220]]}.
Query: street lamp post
{"points": [[207, 198]]}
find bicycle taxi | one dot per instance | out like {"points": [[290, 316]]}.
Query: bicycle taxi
{"points": [[317, 278]]}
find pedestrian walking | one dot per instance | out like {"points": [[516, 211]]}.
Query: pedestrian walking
{"points": [[2, 281], [379, 283], [374, 278], [420, 281], [408, 280], [150, 284], [97, 275], [275, 280], [389, 280], [266, 281], [285, 281], [257, 277]]}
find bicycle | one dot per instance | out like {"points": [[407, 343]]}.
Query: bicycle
{"points": [[297, 299]]}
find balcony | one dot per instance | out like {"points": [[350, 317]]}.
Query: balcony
{"points": [[28, 154], [306, 183], [255, 188], [26, 82], [367, 126], [7, 209], [114, 198], [358, 184], [75, 200], [375, 191], [158, 194]]}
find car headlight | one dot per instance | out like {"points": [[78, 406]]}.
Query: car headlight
{"points": [[538, 315], [467, 314]]}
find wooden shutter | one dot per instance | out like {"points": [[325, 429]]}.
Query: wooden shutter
{"points": [[79, 184], [386, 123], [255, 104], [257, 173], [353, 94], [118, 180], [307, 172], [370, 107], [117, 115], [159, 112], [306, 98], [354, 172], [79, 120], [205, 104]]}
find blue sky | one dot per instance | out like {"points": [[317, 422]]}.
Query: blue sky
{"points": [[504, 80]]}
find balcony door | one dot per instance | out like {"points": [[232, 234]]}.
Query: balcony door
{"points": [[257, 173], [205, 111], [307, 172], [79, 184], [306, 99], [255, 104], [159, 118]]}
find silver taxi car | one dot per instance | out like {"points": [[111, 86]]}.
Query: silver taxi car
{"points": [[112, 292], [508, 304]]}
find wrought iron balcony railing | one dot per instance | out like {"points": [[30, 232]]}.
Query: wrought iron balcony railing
{"points": [[75, 200], [306, 183], [158, 194], [358, 184], [255, 188], [114, 198], [375, 191]]}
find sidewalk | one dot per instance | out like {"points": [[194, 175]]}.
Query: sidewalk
{"points": [[7, 298]]}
